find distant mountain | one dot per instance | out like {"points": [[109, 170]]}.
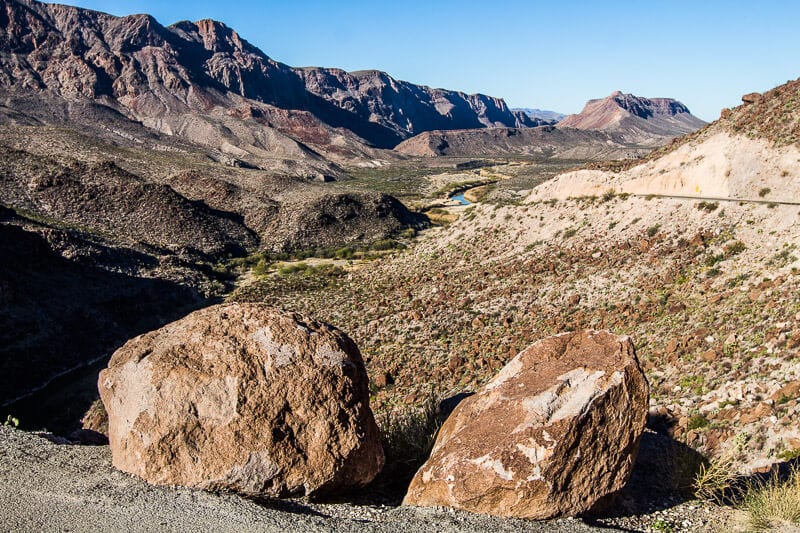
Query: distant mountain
{"points": [[541, 114], [202, 81], [640, 120]]}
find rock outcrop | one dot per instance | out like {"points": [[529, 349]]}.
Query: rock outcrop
{"points": [[336, 218], [244, 398], [557, 429]]}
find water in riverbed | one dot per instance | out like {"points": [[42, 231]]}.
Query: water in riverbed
{"points": [[460, 199]]}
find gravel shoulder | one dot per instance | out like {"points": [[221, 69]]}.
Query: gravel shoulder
{"points": [[50, 487]]}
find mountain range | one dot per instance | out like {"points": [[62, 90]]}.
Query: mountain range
{"points": [[193, 79], [203, 83]]}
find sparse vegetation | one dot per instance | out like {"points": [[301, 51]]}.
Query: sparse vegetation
{"points": [[408, 434], [764, 191], [715, 479], [707, 206], [773, 504]]}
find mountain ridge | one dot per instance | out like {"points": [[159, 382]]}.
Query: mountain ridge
{"points": [[147, 71]]}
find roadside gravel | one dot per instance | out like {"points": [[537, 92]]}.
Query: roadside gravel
{"points": [[50, 487]]}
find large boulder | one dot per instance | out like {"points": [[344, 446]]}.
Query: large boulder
{"points": [[244, 398], [557, 429]]}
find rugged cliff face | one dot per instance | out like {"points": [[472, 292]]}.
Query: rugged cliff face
{"points": [[156, 74], [407, 109]]}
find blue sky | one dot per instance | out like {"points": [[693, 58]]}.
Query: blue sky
{"points": [[546, 54]]}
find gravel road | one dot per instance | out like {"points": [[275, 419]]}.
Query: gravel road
{"points": [[50, 487]]}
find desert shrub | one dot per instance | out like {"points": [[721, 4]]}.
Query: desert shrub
{"points": [[384, 244], [408, 434], [294, 268], [571, 232], [652, 230], [773, 504], [764, 191], [609, 195], [715, 479], [408, 233], [707, 206], [734, 248], [261, 268], [344, 253], [697, 421]]}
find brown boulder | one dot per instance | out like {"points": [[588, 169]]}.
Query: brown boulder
{"points": [[557, 429], [242, 397], [751, 98]]}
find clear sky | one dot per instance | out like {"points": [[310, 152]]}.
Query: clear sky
{"points": [[553, 54]]}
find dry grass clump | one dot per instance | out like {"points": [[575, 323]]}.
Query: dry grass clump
{"points": [[714, 480], [408, 434], [773, 504]]}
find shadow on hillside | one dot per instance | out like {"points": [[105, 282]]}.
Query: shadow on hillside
{"points": [[60, 320]]}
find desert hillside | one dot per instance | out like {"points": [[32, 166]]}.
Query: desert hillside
{"points": [[238, 295]]}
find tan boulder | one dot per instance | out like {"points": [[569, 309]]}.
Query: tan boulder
{"points": [[557, 429], [242, 397]]}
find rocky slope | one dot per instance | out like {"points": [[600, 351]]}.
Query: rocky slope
{"points": [[642, 120], [706, 286], [108, 236], [546, 142], [204, 82], [67, 299]]}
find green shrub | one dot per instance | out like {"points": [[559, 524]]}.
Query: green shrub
{"points": [[697, 421], [385, 244], [764, 191], [293, 268], [734, 248], [261, 268], [715, 479], [707, 206], [652, 230]]}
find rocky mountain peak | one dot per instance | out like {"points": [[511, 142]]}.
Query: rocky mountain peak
{"points": [[214, 35], [647, 107], [631, 114]]}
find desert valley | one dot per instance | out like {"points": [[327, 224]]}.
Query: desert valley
{"points": [[238, 295]]}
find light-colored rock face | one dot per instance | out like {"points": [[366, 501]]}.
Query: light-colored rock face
{"points": [[721, 165], [557, 429], [246, 398]]}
